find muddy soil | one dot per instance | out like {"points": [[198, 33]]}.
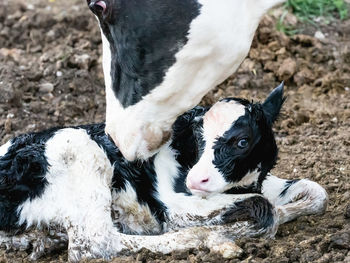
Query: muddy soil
{"points": [[51, 75]]}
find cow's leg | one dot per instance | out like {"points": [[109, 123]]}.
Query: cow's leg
{"points": [[252, 213], [294, 198]]}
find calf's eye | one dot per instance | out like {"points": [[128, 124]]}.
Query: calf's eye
{"points": [[242, 143]]}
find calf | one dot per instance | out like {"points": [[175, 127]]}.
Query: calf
{"points": [[76, 179], [240, 150], [160, 57]]}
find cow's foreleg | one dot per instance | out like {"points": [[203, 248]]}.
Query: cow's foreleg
{"points": [[294, 198]]}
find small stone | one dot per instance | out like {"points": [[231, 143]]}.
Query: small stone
{"points": [[83, 61], [47, 97], [30, 7], [46, 87], [35, 76], [51, 33], [319, 35]]}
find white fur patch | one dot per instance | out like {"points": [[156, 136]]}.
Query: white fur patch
{"points": [[272, 187], [79, 180], [4, 148], [220, 118]]}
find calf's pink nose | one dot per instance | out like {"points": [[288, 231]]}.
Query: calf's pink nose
{"points": [[197, 183]]}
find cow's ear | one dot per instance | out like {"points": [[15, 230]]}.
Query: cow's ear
{"points": [[273, 104]]}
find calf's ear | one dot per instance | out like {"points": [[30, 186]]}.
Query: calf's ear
{"points": [[273, 104]]}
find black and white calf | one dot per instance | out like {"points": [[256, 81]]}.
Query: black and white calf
{"points": [[76, 179], [160, 57]]}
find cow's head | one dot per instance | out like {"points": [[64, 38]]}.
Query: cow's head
{"points": [[160, 57], [240, 148]]}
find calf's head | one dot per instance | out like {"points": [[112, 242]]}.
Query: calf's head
{"points": [[160, 57], [239, 144]]}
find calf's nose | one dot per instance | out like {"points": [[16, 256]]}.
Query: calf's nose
{"points": [[198, 183]]}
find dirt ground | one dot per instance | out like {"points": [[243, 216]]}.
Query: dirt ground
{"points": [[51, 75]]}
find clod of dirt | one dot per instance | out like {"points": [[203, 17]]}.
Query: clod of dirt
{"points": [[347, 211], [287, 69], [307, 41], [304, 76], [301, 118], [341, 240], [180, 255], [8, 125]]}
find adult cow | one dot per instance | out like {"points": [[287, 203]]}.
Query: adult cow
{"points": [[160, 57]]}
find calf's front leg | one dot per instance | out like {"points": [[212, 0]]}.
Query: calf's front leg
{"points": [[254, 210], [110, 243]]}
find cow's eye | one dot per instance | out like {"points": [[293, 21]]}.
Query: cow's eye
{"points": [[243, 143]]}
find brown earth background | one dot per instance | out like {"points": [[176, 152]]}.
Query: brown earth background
{"points": [[51, 75]]}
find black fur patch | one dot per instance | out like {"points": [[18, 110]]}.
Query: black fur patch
{"points": [[188, 143], [22, 175], [287, 185], [235, 162], [256, 209], [144, 38], [253, 188]]}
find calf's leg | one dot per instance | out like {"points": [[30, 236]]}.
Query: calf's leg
{"points": [[294, 198], [252, 213], [38, 242]]}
